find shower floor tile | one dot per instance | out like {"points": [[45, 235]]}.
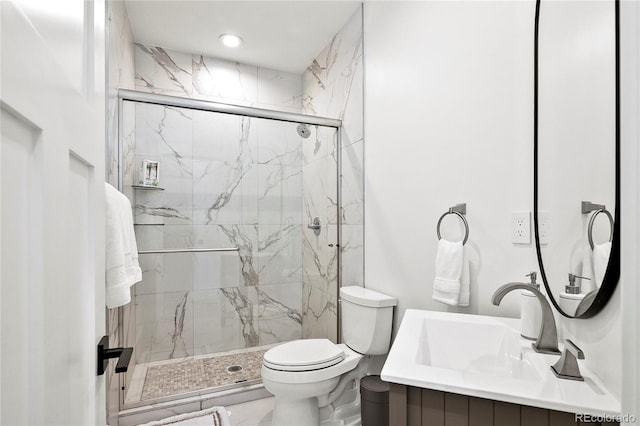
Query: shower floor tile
{"points": [[165, 378]]}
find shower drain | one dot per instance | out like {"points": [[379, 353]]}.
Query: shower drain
{"points": [[234, 368]]}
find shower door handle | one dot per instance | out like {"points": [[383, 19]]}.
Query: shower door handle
{"points": [[105, 354]]}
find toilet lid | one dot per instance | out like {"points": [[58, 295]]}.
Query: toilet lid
{"points": [[303, 355]]}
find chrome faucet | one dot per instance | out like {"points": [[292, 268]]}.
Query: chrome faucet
{"points": [[547, 341]]}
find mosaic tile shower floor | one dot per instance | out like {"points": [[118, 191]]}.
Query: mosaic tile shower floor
{"points": [[158, 380]]}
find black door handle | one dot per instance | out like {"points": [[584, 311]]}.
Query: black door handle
{"points": [[104, 354]]}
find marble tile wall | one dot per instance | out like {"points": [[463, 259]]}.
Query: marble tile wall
{"points": [[224, 186], [170, 72], [227, 181], [332, 86]]}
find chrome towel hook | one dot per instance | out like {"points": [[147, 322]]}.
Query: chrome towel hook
{"points": [[459, 210]]}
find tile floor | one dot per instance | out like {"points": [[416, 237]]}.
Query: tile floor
{"points": [[165, 378], [252, 413]]}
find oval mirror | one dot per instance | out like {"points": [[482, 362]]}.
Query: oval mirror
{"points": [[576, 152]]}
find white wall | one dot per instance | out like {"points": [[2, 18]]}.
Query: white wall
{"points": [[448, 119]]}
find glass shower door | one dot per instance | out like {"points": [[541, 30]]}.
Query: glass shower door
{"points": [[201, 321]]}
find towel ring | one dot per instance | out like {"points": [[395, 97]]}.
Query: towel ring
{"points": [[592, 220], [461, 216]]}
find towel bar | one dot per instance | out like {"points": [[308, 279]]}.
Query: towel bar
{"points": [[459, 210], [188, 250]]}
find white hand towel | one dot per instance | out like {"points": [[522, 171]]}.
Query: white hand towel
{"points": [[449, 261], [121, 251], [465, 280], [601, 254]]}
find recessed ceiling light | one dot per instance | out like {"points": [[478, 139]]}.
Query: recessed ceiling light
{"points": [[230, 40]]}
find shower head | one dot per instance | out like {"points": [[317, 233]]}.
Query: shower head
{"points": [[303, 130]]}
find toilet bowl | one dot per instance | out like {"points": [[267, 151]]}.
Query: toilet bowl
{"points": [[305, 375]]}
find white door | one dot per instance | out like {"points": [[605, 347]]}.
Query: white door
{"points": [[52, 310]]}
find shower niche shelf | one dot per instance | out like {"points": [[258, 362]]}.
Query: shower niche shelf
{"points": [[148, 187]]}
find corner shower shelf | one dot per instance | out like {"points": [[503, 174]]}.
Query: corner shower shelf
{"points": [[147, 187]]}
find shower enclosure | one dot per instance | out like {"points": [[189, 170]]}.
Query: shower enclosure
{"points": [[239, 240]]}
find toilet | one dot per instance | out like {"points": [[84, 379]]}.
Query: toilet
{"points": [[310, 375]]}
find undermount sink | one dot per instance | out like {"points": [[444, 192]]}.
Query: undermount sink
{"points": [[486, 357], [473, 345]]}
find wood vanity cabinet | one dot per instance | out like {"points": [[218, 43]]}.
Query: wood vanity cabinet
{"points": [[412, 406]]}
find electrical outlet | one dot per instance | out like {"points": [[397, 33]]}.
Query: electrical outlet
{"points": [[521, 227], [544, 226]]}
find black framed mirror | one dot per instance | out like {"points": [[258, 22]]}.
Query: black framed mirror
{"points": [[577, 152]]}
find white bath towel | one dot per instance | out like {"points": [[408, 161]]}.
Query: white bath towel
{"points": [[122, 269], [449, 262], [601, 254]]}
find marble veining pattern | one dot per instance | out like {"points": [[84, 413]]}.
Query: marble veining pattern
{"points": [[162, 69], [242, 166]]}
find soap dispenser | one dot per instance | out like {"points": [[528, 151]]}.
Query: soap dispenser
{"points": [[530, 311], [572, 295]]}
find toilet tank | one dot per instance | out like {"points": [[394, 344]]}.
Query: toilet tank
{"points": [[367, 317]]}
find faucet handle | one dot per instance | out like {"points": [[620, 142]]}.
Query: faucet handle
{"points": [[567, 366], [575, 350]]}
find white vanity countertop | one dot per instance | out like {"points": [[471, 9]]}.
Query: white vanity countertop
{"points": [[489, 361]]}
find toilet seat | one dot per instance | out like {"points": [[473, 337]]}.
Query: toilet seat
{"points": [[350, 361], [303, 355]]}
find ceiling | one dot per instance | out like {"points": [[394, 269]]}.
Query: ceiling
{"points": [[282, 35]]}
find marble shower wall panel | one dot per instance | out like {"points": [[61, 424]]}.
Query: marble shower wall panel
{"points": [[280, 194], [319, 284], [221, 80], [164, 134], [279, 254], [352, 249], [164, 323], [320, 188], [244, 301], [352, 184], [279, 90], [225, 179], [215, 270], [280, 312], [163, 71], [217, 325], [170, 72], [332, 83], [280, 144], [245, 238]]}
